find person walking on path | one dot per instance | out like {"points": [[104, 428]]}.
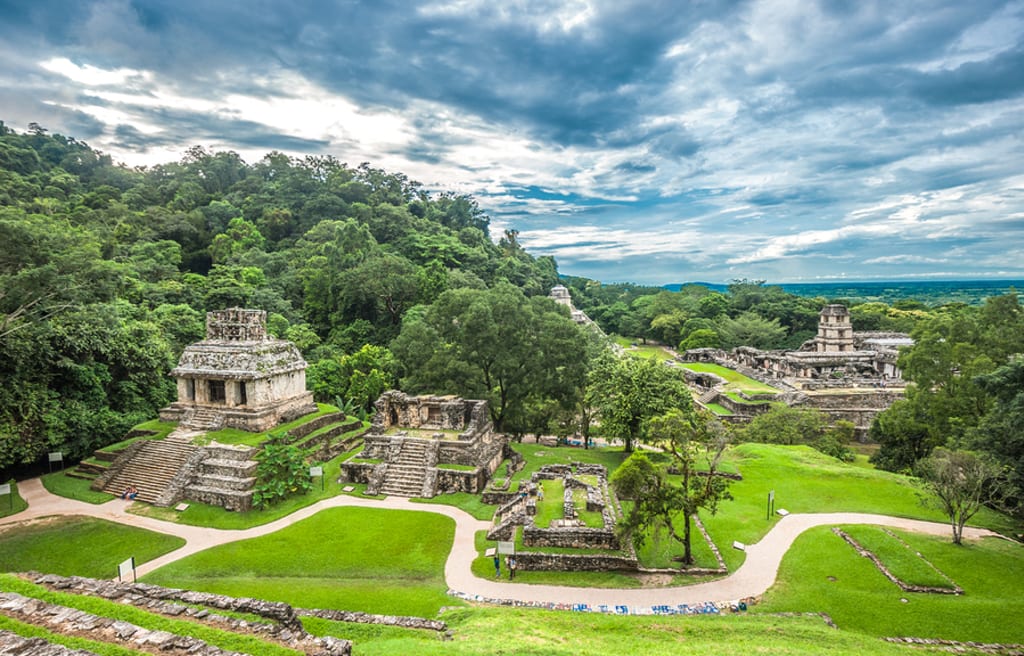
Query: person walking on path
{"points": [[497, 566]]}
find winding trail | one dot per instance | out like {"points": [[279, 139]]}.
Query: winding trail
{"points": [[753, 578]]}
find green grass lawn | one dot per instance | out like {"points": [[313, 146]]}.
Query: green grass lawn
{"points": [[80, 546], [160, 429], [532, 632], [552, 506], [822, 573], [377, 561], [807, 481], [904, 563], [736, 381], [719, 410], [12, 504], [471, 503], [61, 484]]}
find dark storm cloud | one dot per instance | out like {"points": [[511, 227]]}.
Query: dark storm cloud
{"points": [[630, 139]]}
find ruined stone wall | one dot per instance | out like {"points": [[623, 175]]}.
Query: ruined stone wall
{"points": [[528, 560], [571, 538]]}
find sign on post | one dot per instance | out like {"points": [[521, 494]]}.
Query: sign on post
{"points": [[771, 504], [56, 456], [319, 471], [507, 548], [6, 489], [124, 568]]}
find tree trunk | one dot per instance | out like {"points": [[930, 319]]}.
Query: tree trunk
{"points": [[687, 551]]}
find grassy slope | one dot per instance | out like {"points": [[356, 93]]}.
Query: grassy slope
{"points": [[79, 545], [860, 598], [807, 481], [376, 561], [525, 632], [736, 381], [73, 488]]}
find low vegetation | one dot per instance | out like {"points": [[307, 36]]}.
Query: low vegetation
{"points": [[377, 561], [80, 546]]}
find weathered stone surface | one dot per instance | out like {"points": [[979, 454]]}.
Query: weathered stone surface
{"points": [[283, 623], [404, 621]]}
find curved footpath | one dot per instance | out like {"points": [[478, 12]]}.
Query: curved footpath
{"points": [[753, 578]]}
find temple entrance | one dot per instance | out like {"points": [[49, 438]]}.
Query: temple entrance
{"points": [[217, 393]]}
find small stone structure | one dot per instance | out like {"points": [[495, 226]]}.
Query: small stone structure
{"points": [[412, 439], [239, 377]]}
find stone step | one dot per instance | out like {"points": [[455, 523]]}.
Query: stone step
{"points": [[225, 482], [221, 467]]}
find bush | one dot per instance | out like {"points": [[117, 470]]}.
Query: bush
{"points": [[281, 473]]}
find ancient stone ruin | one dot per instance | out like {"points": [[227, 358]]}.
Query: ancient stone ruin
{"points": [[420, 446], [239, 377], [849, 375]]}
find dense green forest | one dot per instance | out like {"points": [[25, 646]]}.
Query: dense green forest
{"points": [[106, 273]]}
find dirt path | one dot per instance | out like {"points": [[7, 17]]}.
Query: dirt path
{"points": [[753, 578]]}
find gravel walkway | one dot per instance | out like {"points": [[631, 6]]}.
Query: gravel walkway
{"points": [[753, 578]]}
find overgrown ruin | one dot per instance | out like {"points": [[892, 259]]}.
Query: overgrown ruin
{"points": [[421, 446], [849, 375]]}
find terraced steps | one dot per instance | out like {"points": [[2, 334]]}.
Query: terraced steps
{"points": [[151, 468], [407, 469]]}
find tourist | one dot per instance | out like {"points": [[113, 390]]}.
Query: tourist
{"points": [[540, 492], [129, 493], [511, 567], [497, 566]]}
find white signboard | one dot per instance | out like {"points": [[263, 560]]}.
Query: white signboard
{"points": [[56, 456], [5, 489], [316, 471], [126, 568], [771, 496], [507, 548]]}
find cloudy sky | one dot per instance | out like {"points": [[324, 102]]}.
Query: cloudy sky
{"points": [[649, 141]]}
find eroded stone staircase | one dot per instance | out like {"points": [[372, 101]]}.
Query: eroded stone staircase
{"points": [[152, 466], [203, 420], [406, 474], [225, 477]]}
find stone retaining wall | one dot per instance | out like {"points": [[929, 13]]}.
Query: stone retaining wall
{"points": [[70, 621], [403, 621], [284, 625], [570, 538], [305, 429], [529, 560]]}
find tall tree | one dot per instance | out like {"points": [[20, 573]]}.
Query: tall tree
{"points": [[962, 482], [493, 344], [696, 444], [627, 391]]}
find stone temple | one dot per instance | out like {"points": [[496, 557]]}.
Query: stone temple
{"points": [[420, 446], [239, 377]]}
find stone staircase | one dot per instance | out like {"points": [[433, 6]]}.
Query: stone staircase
{"points": [[151, 467], [407, 468], [203, 420], [708, 396]]}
